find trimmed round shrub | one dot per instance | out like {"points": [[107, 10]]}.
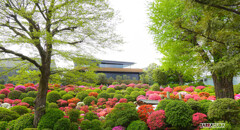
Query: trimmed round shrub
{"points": [[179, 114], [118, 96], [155, 87], [3, 125], [96, 125], [29, 100], [103, 95], [23, 95], [97, 90], [111, 95], [73, 126], [72, 93], [20, 88], [53, 96], [87, 100], [82, 95], [28, 89], [21, 110], [129, 98], [142, 93], [205, 105], [195, 105], [137, 125], [52, 105], [24, 121], [118, 87], [73, 115], [67, 96], [129, 89], [85, 125], [62, 93], [50, 118], [62, 124], [134, 94], [224, 109], [15, 94], [110, 90], [90, 116], [104, 88], [2, 86], [11, 124], [32, 94], [7, 115], [156, 120], [2, 96], [137, 89], [122, 115], [162, 104]]}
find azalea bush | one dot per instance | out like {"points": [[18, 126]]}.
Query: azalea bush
{"points": [[144, 111], [156, 120]]}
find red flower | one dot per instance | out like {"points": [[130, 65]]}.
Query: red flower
{"points": [[144, 111]]}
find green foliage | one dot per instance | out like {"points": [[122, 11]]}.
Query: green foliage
{"points": [[137, 125], [53, 96], [50, 118], [129, 98], [162, 104], [67, 96], [178, 114], [155, 87], [73, 115], [87, 100], [134, 94], [15, 94], [90, 116], [225, 109], [147, 76], [96, 125], [23, 95], [2, 96], [115, 83], [62, 93], [119, 78], [21, 110], [110, 80], [52, 105], [205, 105], [32, 94], [11, 124], [104, 88], [129, 89], [97, 90], [118, 96], [7, 115], [3, 125], [29, 100], [85, 125], [24, 121], [110, 90], [122, 115], [101, 78], [103, 95], [72, 93], [142, 93], [82, 95], [62, 124], [195, 105], [236, 88], [73, 126]]}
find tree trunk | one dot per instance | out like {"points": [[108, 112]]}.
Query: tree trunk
{"points": [[180, 77], [40, 102], [223, 86]]}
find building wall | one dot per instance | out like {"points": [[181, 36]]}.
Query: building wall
{"points": [[114, 74]]}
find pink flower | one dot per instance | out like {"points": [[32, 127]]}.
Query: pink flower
{"points": [[20, 88], [237, 97], [189, 89], [111, 86], [156, 120], [23, 104], [168, 89], [131, 85], [200, 87], [154, 97], [7, 100], [16, 101], [118, 128], [175, 93], [5, 91], [188, 96], [211, 98], [198, 118], [141, 97], [123, 100]]}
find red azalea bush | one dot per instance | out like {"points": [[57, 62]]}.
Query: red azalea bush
{"points": [[111, 102], [62, 102], [156, 120], [201, 94], [73, 100], [123, 100], [23, 104], [189, 89], [198, 118], [72, 105], [7, 100], [84, 108], [144, 111], [9, 85], [69, 89], [5, 91], [95, 94], [177, 89], [16, 101], [101, 101]]}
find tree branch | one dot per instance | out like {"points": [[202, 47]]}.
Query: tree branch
{"points": [[55, 31], [219, 7], [21, 56], [41, 11]]}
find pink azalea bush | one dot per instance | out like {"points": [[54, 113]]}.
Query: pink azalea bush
{"points": [[168, 89], [7, 100], [198, 118], [131, 85], [154, 97], [101, 101], [189, 89], [4, 91], [118, 128], [156, 120], [152, 92], [175, 93], [111, 86], [140, 97], [23, 104], [211, 98], [20, 88], [188, 96], [237, 97], [123, 100], [200, 87]]}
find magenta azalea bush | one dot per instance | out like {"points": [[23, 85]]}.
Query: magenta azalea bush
{"points": [[20, 88], [118, 128], [198, 118], [154, 97], [168, 89], [156, 120], [200, 87], [140, 97], [237, 97], [189, 89]]}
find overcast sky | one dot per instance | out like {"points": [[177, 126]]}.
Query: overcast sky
{"points": [[138, 47]]}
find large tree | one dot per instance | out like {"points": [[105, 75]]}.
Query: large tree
{"points": [[210, 28], [59, 29]]}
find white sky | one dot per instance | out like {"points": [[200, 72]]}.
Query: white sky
{"points": [[138, 47]]}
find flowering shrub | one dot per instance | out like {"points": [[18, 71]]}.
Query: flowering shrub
{"points": [[29, 85], [168, 89], [154, 97], [141, 97], [198, 118], [152, 92], [23, 104], [188, 96], [69, 89], [200, 87], [144, 111], [111, 86], [73, 100], [237, 97], [95, 94], [156, 120], [5, 91], [6, 105], [111, 102], [7, 100], [189, 89], [118, 128], [62, 102], [131, 85], [16, 101], [177, 89], [84, 108], [20, 88], [101, 101], [201, 94], [72, 105], [123, 100]]}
